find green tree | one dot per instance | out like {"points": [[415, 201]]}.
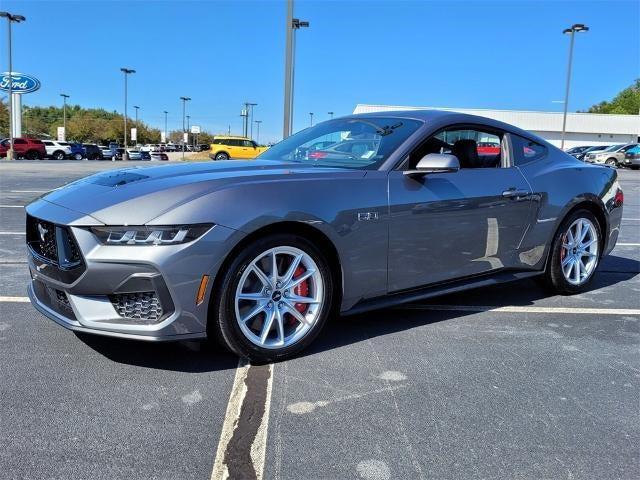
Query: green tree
{"points": [[626, 102]]}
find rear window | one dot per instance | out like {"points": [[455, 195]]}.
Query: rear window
{"points": [[526, 150]]}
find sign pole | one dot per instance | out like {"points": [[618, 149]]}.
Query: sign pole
{"points": [[10, 152]]}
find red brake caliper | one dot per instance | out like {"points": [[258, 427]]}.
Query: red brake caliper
{"points": [[301, 290]]}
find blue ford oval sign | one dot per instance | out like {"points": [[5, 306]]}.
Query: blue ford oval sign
{"points": [[20, 83]]}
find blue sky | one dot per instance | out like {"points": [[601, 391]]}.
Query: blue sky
{"points": [[476, 54]]}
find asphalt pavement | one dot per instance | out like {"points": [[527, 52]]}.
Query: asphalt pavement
{"points": [[500, 382]]}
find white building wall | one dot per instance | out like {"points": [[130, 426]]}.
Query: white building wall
{"points": [[582, 128]]}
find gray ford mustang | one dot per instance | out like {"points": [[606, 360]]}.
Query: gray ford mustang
{"points": [[353, 214]]}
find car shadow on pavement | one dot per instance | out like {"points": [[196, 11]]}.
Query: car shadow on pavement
{"points": [[182, 356], [343, 331]]}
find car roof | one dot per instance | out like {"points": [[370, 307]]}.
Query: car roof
{"points": [[230, 137]]}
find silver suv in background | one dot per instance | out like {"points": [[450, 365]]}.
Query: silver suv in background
{"points": [[57, 150], [614, 155]]}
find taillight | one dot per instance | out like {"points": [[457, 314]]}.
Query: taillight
{"points": [[619, 198], [317, 155]]}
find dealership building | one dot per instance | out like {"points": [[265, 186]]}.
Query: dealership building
{"points": [[582, 128]]}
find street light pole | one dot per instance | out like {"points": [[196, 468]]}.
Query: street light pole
{"points": [[127, 72], [64, 113], [137, 108], [10, 19], [258, 122], [184, 109], [292, 25], [311, 118], [251, 105], [578, 27], [188, 127], [330, 115], [165, 125]]}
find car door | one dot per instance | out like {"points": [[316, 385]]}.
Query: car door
{"points": [[247, 150], [233, 148], [445, 226]]}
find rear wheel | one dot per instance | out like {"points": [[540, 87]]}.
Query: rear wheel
{"points": [[274, 299], [58, 155], [575, 253], [222, 156], [32, 155], [77, 156]]}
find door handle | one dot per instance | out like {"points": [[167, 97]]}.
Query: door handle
{"points": [[513, 193]]}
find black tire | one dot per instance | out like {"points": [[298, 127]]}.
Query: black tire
{"points": [[223, 326], [222, 156], [59, 155], [553, 276], [612, 162], [635, 167], [32, 155], [77, 156]]}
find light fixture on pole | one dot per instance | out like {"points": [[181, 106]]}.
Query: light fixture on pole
{"points": [[330, 115], [258, 122], [577, 27], [127, 72], [311, 119], [292, 25], [184, 110], [64, 113], [10, 19]]}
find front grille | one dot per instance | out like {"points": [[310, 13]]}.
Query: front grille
{"points": [[41, 236], [54, 243], [140, 305]]}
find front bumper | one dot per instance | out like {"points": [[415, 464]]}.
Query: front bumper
{"points": [[631, 161], [138, 292]]}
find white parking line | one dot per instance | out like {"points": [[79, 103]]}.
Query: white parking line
{"points": [[14, 299], [11, 206], [29, 191], [245, 424], [627, 244], [514, 309], [12, 233]]}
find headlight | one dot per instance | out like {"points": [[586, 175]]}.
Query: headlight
{"points": [[150, 235]]}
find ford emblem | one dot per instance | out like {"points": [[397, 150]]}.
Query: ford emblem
{"points": [[20, 83]]}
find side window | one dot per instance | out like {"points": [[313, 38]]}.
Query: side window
{"points": [[48, 143], [247, 143], [19, 141], [474, 147], [526, 150]]}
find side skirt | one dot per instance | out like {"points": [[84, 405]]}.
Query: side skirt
{"points": [[439, 289]]}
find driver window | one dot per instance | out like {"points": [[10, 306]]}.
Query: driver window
{"points": [[474, 148]]}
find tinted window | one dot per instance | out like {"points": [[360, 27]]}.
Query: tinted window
{"points": [[526, 150], [19, 141], [48, 143], [247, 143]]}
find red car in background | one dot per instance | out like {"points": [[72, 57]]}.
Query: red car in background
{"points": [[488, 148], [29, 148]]}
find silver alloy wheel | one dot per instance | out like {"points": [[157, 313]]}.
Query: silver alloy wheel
{"points": [[279, 297], [579, 255]]}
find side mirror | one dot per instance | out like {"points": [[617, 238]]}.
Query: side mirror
{"points": [[435, 163]]}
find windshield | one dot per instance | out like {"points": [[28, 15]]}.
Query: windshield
{"points": [[360, 143], [613, 148]]}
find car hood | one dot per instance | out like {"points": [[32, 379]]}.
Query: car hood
{"points": [[135, 196]]}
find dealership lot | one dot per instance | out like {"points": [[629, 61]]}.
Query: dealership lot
{"points": [[503, 382]]}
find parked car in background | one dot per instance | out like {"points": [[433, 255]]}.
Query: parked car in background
{"points": [[159, 156], [619, 155], [92, 151], [488, 148], [78, 152], [29, 148], [133, 154], [107, 153], [57, 150], [204, 147], [225, 147], [145, 155], [632, 158], [596, 148], [119, 154], [608, 155], [576, 151]]}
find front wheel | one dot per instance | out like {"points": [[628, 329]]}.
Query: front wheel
{"points": [[575, 253], [612, 162], [58, 156], [222, 156], [77, 156], [274, 299]]}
